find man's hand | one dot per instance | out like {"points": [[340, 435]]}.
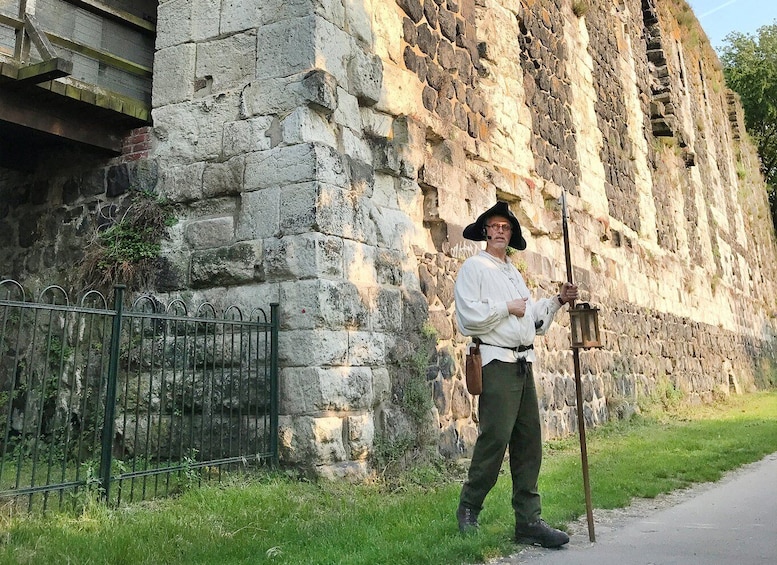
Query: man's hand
{"points": [[517, 307], [568, 293]]}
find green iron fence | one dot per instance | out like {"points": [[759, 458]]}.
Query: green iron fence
{"points": [[129, 403]]}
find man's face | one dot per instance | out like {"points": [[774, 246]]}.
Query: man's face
{"points": [[498, 232]]}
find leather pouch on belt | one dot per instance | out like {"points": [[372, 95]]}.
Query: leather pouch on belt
{"points": [[473, 369]]}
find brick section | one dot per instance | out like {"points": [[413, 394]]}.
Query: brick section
{"points": [[137, 145]]}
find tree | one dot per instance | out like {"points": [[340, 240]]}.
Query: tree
{"points": [[750, 68]]}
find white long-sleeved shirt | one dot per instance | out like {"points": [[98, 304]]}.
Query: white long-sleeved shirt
{"points": [[483, 287]]}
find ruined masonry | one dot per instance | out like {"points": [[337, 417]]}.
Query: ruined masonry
{"points": [[327, 154]]}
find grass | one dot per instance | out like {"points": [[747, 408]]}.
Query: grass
{"points": [[280, 519]]}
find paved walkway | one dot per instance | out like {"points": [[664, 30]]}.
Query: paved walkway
{"points": [[732, 522]]}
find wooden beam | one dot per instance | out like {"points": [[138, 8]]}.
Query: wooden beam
{"points": [[9, 70], [102, 9], [11, 22], [102, 56], [17, 107], [38, 37], [45, 70], [99, 97]]}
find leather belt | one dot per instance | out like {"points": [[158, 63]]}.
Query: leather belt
{"points": [[519, 349]]}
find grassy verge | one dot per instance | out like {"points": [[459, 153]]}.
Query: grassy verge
{"points": [[276, 519]]}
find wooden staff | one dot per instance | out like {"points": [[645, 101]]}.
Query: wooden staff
{"points": [[578, 382]]}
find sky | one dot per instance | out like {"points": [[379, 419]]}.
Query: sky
{"points": [[721, 17]]}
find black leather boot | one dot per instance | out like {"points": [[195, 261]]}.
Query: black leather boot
{"points": [[539, 533], [467, 517]]}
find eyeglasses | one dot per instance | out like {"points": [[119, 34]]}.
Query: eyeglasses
{"points": [[500, 227]]}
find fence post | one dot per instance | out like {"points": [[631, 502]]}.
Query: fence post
{"points": [[110, 392], [274, 388]]}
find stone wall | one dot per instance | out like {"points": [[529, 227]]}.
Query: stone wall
{"points": [[49, 216], [327, 154]]}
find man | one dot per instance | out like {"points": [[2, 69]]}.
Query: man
{"points": [[493, 304]]}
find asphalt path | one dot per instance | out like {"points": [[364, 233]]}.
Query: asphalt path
{"points": [[733, 521]]}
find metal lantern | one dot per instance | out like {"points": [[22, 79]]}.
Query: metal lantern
{"points": [[584, 320]]}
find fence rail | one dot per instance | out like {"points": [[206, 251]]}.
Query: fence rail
{"points": [[135, 402]]}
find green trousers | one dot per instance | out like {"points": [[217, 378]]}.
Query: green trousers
{"points": [[509, 418]]}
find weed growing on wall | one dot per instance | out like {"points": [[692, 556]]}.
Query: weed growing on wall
{"points": [[405, 447], [766, 374], [417, 400], [580, 8], [128, 250], [664, 397]]}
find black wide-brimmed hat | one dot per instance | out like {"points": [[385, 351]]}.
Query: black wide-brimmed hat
{"points": [[477, 230]]}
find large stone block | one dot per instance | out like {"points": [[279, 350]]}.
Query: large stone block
{"points": [[381, 385], [385, 309], [322, 303], [246, 136], [359, 263], [320, 90], [309, 390], [238, 15], [315, 206], [393, 425], [347, 112], [350, 471], [439, 174], [173, 24], [376, 124], [365, 72], [230, 61], [286, 48], [282, 166], [388, 266], [385, 191], [182, 183], [271, 96], [355, 146], [334, 49], [304, 256], [193, 131], [308, 440], [210, 232], [253, 299], [366, 348], [400, 93], [388, 39], [385, 157], [312, 348], [223, 179], [394, 229], [410, 198], [173, 75], [304, 125], [182, 21], [415, 309], [225, 266], [258, 214], [315, 88], [361, 436]]}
